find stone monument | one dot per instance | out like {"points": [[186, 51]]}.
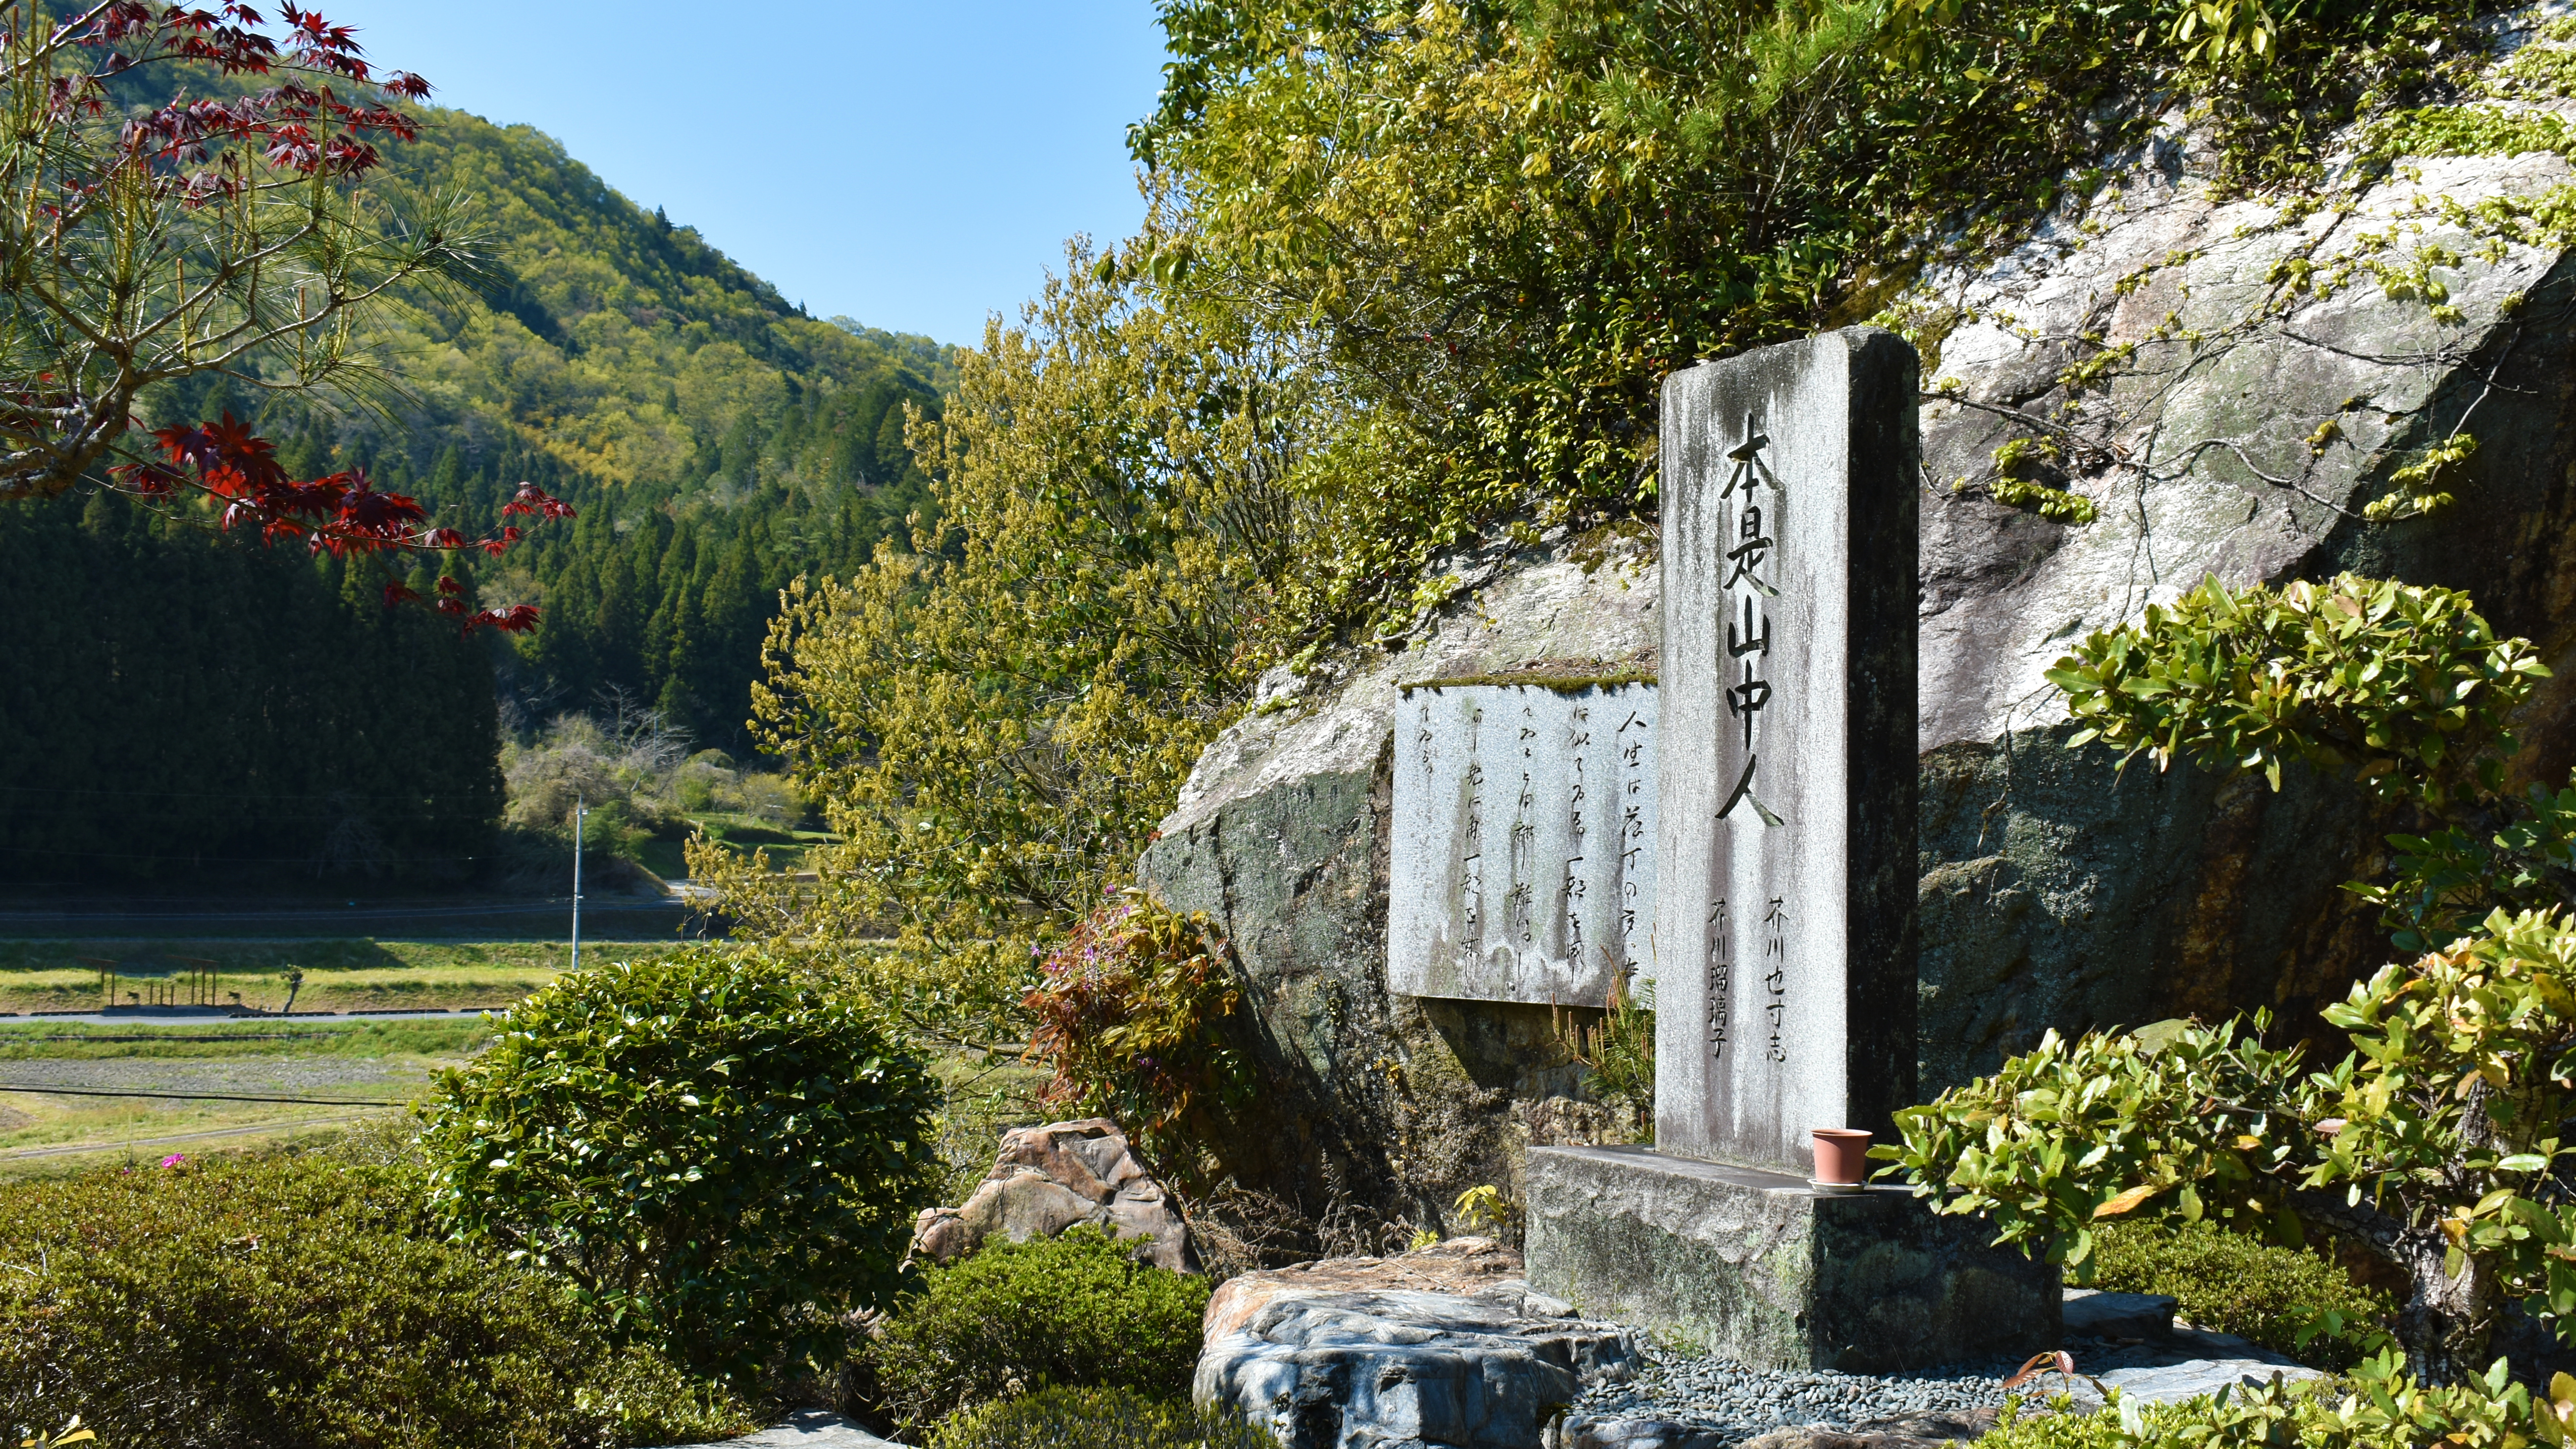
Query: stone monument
{"points": [[1785, 882], [1523, 855]]}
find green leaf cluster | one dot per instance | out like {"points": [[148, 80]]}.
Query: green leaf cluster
{"points": [[303, 1300], [1071, 1311], [725, 1160], [2404, 685], [2077, 1132], [2436, 1140], [1502, 224], [2234, 1283], [2379, 1405]]}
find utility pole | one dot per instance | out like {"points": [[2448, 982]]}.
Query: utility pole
{"points": [[579, 810]]}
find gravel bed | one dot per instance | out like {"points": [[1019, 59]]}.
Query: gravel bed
{"points": [[1741, 1403]]}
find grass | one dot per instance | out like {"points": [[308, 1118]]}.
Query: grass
{"points": [[219, 1039], [323, 1063], [341, 975], [663, 855]]}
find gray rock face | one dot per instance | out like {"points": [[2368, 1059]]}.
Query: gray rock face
{"points": [[2242, 439], [2186, 1364], [1048, 1179], [1326, 1360]]}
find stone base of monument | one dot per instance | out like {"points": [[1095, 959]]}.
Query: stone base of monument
{"points": [[1757, 1267]]}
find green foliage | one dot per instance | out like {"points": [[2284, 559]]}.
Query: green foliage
{"points": [[2419, 483], [1131, 1020], [2056, 504], [1073, 1310], [141, 250], [1618, 1052], [2449, 881], [299, 1301], [2466, 131], [158, 732], [2405, 685], [2076, 1132], [1504, 224], [2235, 1284], [724, 1160], [996, 721], [2434, 1141], [2378, 1406], [1093, 1418]]}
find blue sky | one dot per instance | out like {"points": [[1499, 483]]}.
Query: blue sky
{"points": [[912, 166]]}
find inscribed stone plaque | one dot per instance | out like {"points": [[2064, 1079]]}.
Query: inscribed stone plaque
{"points": [[1785, 862], [1522, 864]]}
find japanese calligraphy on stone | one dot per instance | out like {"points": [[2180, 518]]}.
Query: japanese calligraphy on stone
{"points": [[1523, 852]]}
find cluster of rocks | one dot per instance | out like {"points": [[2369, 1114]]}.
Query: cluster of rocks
{"points": [[1048, 1179]]}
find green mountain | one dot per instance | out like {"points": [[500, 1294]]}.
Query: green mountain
{"points": [[181, 704], [716, 440]]}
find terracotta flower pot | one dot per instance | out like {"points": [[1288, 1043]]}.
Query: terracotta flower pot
{"points": [[1842, 1156]]}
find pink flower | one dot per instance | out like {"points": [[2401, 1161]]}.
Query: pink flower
{"points": [[174, 1159]]}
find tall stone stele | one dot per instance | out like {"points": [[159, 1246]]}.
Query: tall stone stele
{"points": [[1785, 884]]}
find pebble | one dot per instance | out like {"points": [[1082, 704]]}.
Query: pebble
{"points": [[1736, 1403]]}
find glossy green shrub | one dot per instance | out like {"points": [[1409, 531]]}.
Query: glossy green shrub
{"points": [[1074, 1310], [297, 1301], [2234, 1284], [1093, 1419], [2377, 1406], [724, 1160]]}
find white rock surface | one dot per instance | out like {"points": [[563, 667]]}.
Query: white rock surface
{"points": [[1327, 1361]]}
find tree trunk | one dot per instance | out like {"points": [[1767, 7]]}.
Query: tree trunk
{"points": [[2445, 1323]]}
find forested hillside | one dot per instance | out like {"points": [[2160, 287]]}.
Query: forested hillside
{"points": [[716, 441]]}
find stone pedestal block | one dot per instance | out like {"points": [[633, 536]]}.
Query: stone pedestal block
{"points": [[1756, 1266]]}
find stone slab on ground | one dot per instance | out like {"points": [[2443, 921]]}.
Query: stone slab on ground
{"points": [[1348, 1355], [2090, 1313], [808, 1429], [1757, 1267], [2189, 1363]]}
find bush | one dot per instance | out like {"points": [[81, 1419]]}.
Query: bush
{"points": [[295, 1300], [2232, 1283], [1077, 1309], [1093, 1419], [2379, 1406], [726, 1162]]}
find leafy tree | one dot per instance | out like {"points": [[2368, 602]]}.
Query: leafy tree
{"points": [[725, 1161], [231, 236], [995, 721], [355, 741], [1501, 223]]}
